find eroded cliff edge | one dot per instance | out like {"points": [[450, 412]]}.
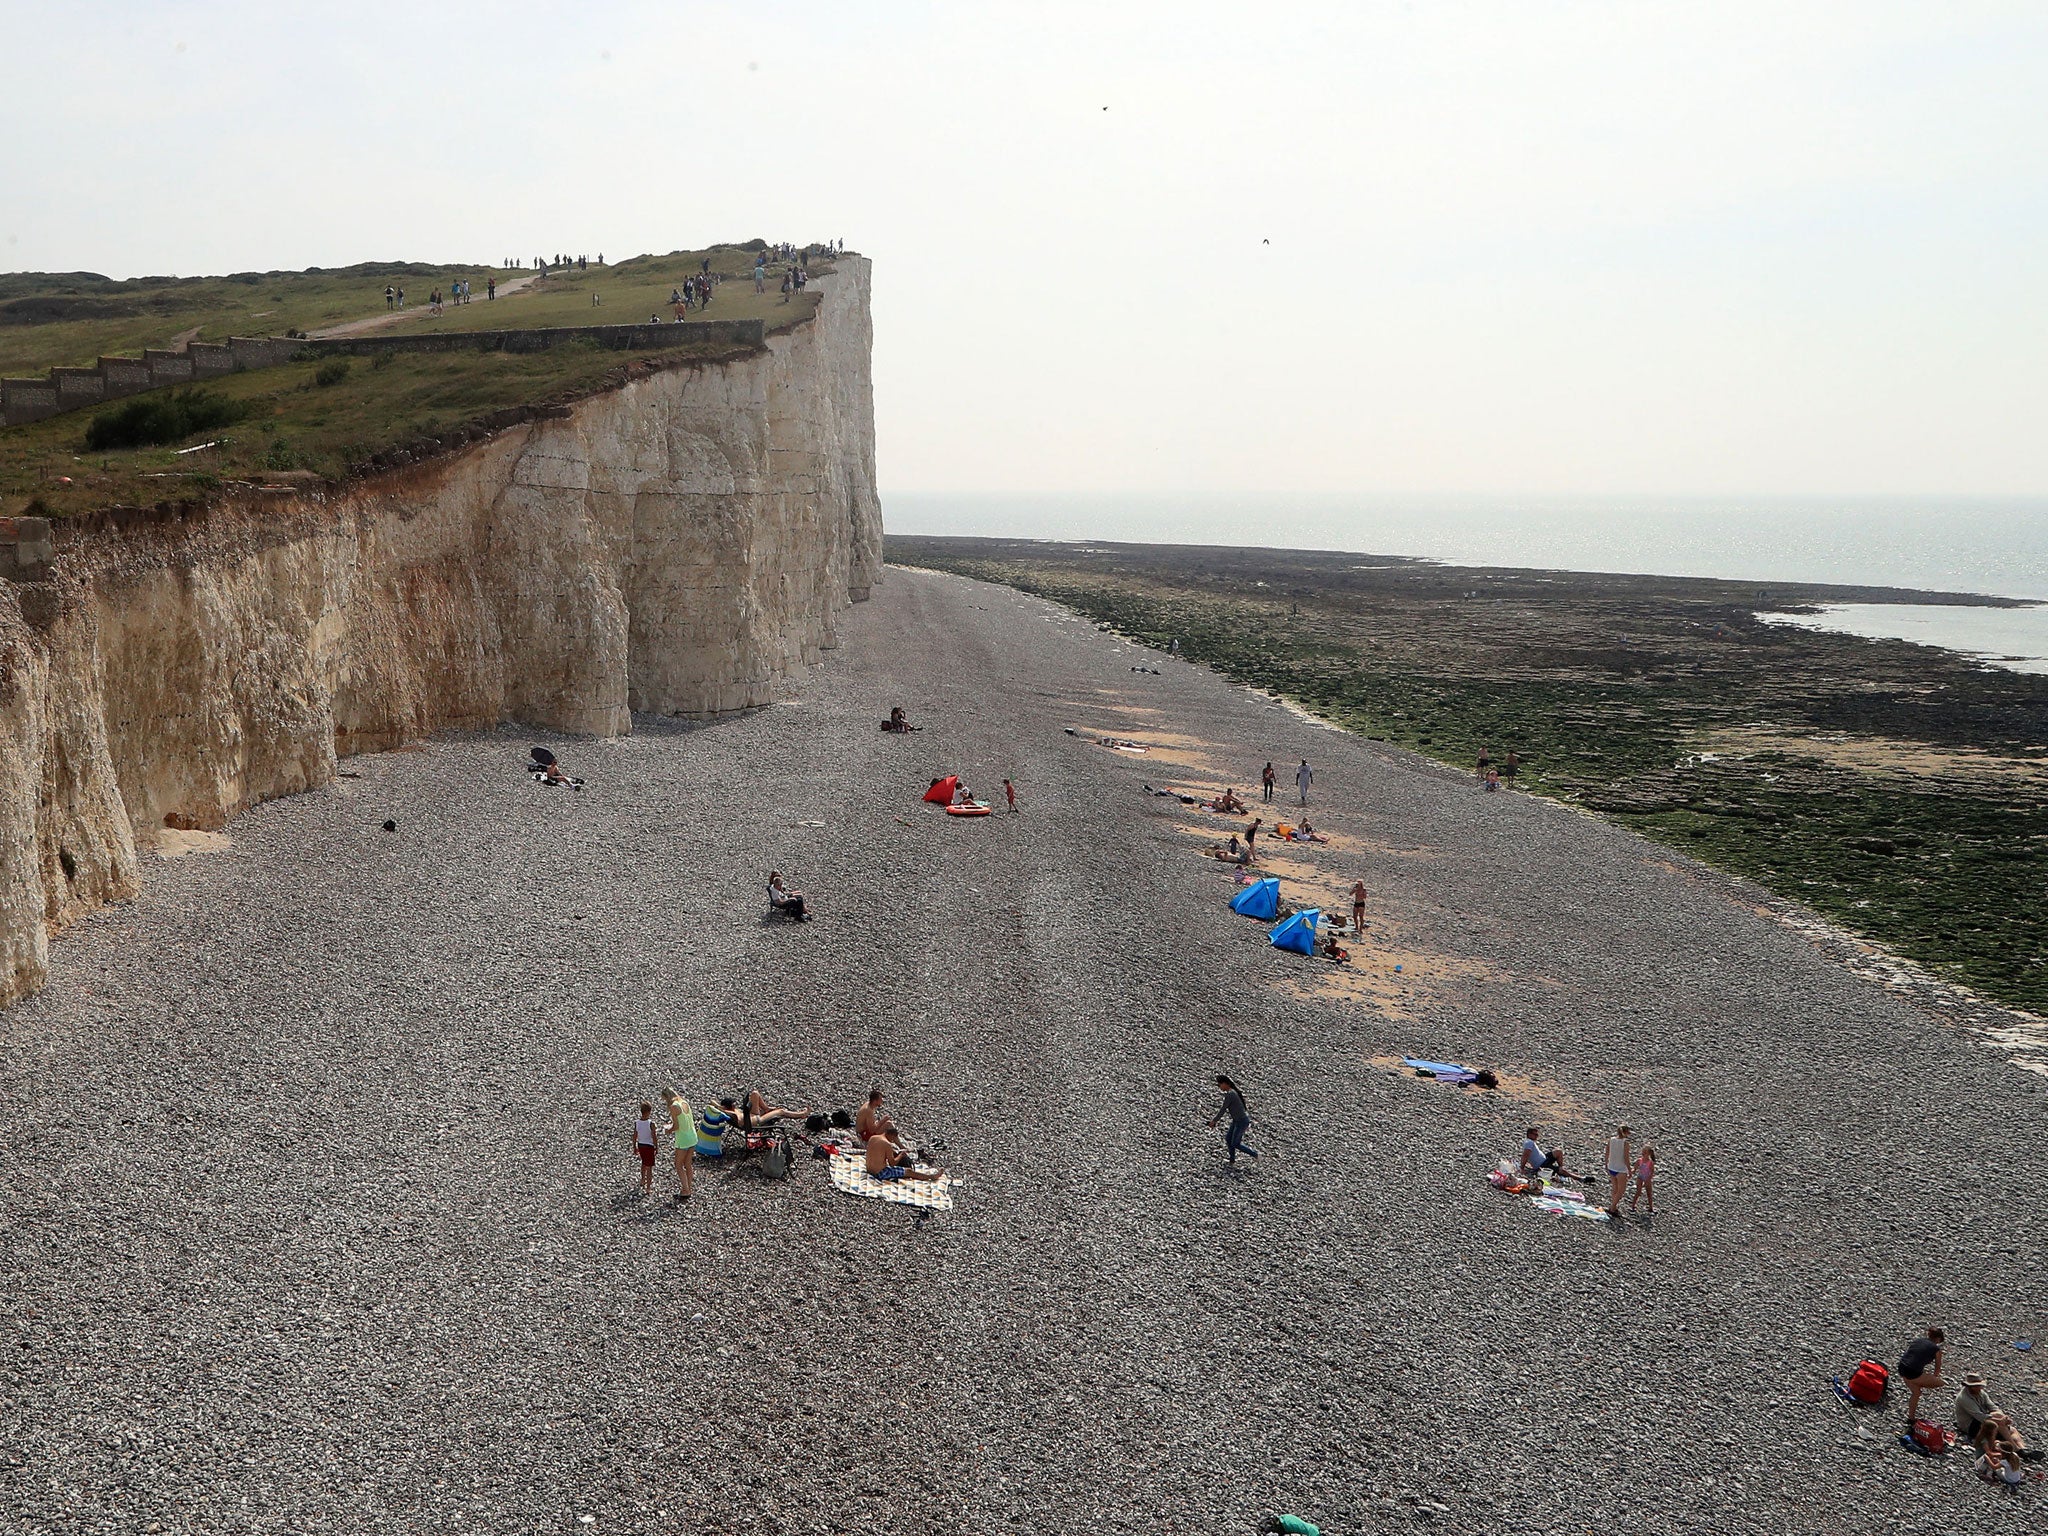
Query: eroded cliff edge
{"points": [[675, 546]]}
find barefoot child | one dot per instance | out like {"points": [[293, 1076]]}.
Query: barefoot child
{"points": [[1646, 1171], [643, 1146]]}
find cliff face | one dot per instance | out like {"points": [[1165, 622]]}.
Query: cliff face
{"points": [[676, 546]]}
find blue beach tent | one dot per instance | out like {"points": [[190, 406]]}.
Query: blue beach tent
{"points": [[1298, 933], [1261, 900]]}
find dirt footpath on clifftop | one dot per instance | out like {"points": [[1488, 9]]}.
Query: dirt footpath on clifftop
{"points": [[320, 1203]]}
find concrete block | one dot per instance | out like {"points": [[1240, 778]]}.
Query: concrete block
{"points": [[125, 376], [78, 387], [23, 400], [166, 367], [210, 359]]}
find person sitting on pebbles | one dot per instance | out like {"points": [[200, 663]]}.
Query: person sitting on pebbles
{"points": [[783, 900], [872, 1121], [1536, 1160], [1991, 1430], [886, 1160]]}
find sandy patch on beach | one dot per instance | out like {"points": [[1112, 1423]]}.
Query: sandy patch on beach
{"points": [[1541, 1094], [173, 843], [1870, 754], [1190, 752]]}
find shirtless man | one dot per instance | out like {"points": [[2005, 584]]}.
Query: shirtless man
{"points": [[886, 1160], [872, 1122]]}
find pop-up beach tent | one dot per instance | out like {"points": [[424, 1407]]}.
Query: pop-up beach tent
{"points": [[1260, 900], [941, 793], [1298, 933]]}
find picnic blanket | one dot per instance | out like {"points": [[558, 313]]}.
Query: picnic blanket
{"points": [[851, 1176]]}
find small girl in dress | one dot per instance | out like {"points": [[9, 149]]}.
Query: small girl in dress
{"points": [[1646, 1171]]}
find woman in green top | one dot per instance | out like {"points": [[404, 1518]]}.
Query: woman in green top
{"points": [[683, 1137]]}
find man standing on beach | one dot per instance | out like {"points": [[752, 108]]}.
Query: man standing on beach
{"points": [[1302, 779], [1266, 783], [1357, 909], [1010, 791]]}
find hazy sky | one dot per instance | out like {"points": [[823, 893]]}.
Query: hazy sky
{"points": [[1517, 247]]}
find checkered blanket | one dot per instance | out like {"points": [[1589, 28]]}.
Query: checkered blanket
{"points": [[850, 1173]]}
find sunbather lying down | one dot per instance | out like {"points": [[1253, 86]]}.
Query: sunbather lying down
{"points": [[886, 1160], [755, 1111]]}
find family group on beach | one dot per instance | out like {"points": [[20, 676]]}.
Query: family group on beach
{"points": [[746, 1124], [2002, 1452]]}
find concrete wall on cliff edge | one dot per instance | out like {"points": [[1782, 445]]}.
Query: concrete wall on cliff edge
{"points": [[680, 545]]}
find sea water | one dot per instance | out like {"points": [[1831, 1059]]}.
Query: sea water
{"points": [[1961, 545]]}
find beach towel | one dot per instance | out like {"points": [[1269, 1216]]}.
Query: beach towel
{"points": [[850, 1175], [1260, 900], [1433, 1068], [1298, 933], [941, 793], [1561, 1206]]}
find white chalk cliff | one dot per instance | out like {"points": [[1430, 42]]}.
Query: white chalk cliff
{"points": [[675, 546]]}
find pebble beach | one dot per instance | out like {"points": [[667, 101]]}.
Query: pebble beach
{"points": [[320, 1208]]}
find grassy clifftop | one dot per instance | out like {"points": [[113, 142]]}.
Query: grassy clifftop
{"points": [[333, 419]]}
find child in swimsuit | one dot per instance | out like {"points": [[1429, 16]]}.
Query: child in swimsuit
{"points": [[1646, 1170]]}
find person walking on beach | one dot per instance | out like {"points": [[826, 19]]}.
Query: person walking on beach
{"points": [[1357, 909], [1266, 783], [1302, 779], [1010, 794], [683, 1138], [643, 1147], [1618, 1161], [1240, 1119], [1251, 838], [1920, 1369]]}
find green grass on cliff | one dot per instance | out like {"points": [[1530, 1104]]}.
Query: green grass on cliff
{"points": [[297, 423], [60, 320]]}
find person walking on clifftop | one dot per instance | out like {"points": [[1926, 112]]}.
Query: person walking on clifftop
{"points": [[1302, 779]]}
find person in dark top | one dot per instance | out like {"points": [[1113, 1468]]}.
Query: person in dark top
{"points": [[1920, 1369], [1240, 1119]]}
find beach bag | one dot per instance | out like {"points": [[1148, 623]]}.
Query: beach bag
{"points": [[1930, 1438], [780, 1162], [1868, 1383], [816, 1122], [841, 1120]]}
